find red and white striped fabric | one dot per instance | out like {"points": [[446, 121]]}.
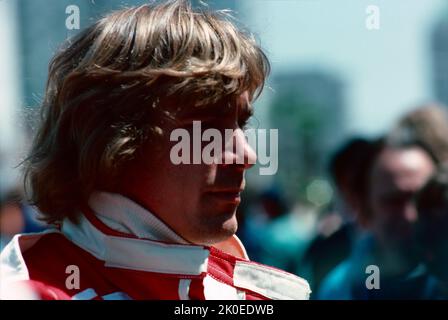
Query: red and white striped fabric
{"points": [[122, 251]]}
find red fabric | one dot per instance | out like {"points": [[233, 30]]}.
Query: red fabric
{"points": [[48, 259]]}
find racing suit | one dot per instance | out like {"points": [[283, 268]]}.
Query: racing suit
{"points": [[119, 250]]}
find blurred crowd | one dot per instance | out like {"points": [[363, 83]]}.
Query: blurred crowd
{"points": [[390, 211]]}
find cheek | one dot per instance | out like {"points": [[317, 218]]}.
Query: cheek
{"points": [[186, 181], [209, 174]]}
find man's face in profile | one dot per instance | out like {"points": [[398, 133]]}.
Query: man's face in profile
{"points": [[198, 201]]}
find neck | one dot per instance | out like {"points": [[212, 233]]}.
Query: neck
{"points": [[394, 260]]}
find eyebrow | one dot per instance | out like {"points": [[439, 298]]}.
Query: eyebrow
{"points": [[213, 112]]}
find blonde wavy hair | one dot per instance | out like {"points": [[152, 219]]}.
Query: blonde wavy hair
{"points": [[107, 87]]}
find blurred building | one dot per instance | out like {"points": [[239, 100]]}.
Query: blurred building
{"points": [[309, 108], [439, 52], [11, 126]]}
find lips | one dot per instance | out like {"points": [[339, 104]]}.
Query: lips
{"points": [[233, 196]]}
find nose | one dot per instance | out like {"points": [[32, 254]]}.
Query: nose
{"points": [[238, 150]]}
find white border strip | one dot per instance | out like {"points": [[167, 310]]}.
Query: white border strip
{"points": [[137, 254], [269, 282]]}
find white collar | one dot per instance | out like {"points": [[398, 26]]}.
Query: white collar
{"points": [[152, 245], [124, 215], [133, 253]]}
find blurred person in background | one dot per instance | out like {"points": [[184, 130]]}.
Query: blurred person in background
{"points": [[289, 230], [389, 215], [432, 231], [264, 208], [337, 224], [12, 220], [399, 168], [16, 216], [427, 125]]}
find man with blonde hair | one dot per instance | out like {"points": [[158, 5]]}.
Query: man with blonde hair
{"points": [[129, 223]]}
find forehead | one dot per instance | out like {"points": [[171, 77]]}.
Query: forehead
{"points": [[402, 169]]}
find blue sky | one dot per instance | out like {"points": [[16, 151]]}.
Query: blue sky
{"points": [[386, 71]]}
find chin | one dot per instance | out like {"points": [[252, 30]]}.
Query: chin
{"points": [[229, 228], [211, 234]]}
